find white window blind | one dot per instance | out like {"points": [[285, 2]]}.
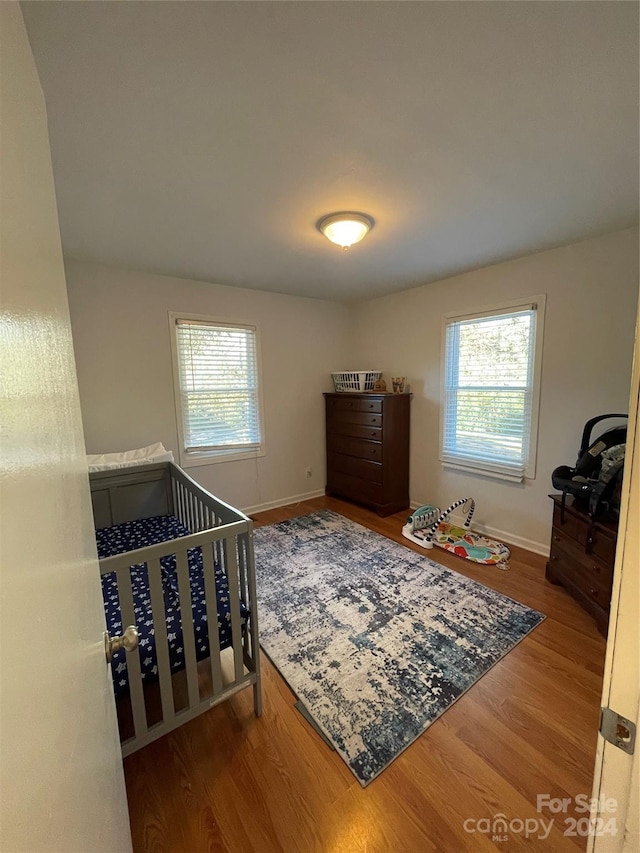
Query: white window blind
{"points": [[219, 394], [489, 366]]}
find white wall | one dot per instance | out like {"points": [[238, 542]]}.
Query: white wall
{"points": [[121, 341], [592, 291]]}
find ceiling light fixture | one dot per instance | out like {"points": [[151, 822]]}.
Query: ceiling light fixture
{"points": [[346, 228]]}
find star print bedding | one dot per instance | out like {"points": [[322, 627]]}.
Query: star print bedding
{"points": [[138, 534]]}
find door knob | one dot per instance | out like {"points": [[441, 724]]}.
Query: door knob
{"points": [[128, 641]]}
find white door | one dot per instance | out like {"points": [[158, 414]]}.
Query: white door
{"points": [[616, 787], [62, 785]]}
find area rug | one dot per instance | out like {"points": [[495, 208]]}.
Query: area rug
{"points": [[375, 640]]}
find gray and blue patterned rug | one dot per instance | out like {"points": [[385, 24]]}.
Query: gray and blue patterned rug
{"points": [[376, 640]]}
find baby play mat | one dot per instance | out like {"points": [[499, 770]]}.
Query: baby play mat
{"points": [[471, 546]]}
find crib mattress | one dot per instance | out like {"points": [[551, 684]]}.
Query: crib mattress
{"points": [[138, 534]]}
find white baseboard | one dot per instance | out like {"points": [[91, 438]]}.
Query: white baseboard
{"points": [[293, 499], [505, 536], [512, 539]]}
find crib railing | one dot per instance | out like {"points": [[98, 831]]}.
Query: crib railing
{"points": [[198, 510], [225, 536]]}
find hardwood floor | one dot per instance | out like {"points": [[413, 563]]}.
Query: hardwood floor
{"points": [[230, 782]]}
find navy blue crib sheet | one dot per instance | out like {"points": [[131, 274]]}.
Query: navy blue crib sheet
{"points": [[138, 534]]}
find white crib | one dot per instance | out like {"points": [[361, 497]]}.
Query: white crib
{"points": [[154, 707]]}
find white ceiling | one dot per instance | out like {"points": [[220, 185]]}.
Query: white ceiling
{"points": [[204, 140]]}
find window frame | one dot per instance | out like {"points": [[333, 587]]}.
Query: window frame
{"points": [[478, 467], [196, 458]]}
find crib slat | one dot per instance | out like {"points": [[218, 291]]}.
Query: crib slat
{"points": [[231, 565], [242, 559], [212, 617], [255, 638], [194, 513], [245, 544], [218, 552], [185, 502], [186, 612], [179, 500], [174, 492], [183, 506], [134, 672], [162, 642], [185, 518]]}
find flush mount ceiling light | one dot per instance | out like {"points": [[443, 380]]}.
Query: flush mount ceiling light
{"points": [[346, 228]]}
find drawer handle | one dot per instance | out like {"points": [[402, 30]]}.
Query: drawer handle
{"points": [[556, 538], [554, 557], [590, 540], [594, 593]]}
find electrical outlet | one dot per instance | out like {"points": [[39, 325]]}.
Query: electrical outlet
{"points": [[308, 472]]}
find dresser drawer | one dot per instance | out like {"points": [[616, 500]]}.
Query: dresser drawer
{"points": [[359, 447], [355, 467], [353, 404], [592, 583], [574, 528], [355, 430], [600, 545], [591, 566], [589, 535], [354, 488], [338, 421]]}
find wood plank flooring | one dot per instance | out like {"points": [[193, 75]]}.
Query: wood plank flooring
{"points": [[230, 782]]}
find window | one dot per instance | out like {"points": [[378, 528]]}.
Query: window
{"points": [[217, 390], [492, 365]]}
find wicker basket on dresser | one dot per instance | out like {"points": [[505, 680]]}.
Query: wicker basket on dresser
{"points": [[368, 449], [582, 557]]}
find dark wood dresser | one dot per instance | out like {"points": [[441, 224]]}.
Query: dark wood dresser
{"points": [[582, 557], [368, 449]]}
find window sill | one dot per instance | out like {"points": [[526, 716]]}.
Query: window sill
{"points": [[481, 471], [197, 460]]}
